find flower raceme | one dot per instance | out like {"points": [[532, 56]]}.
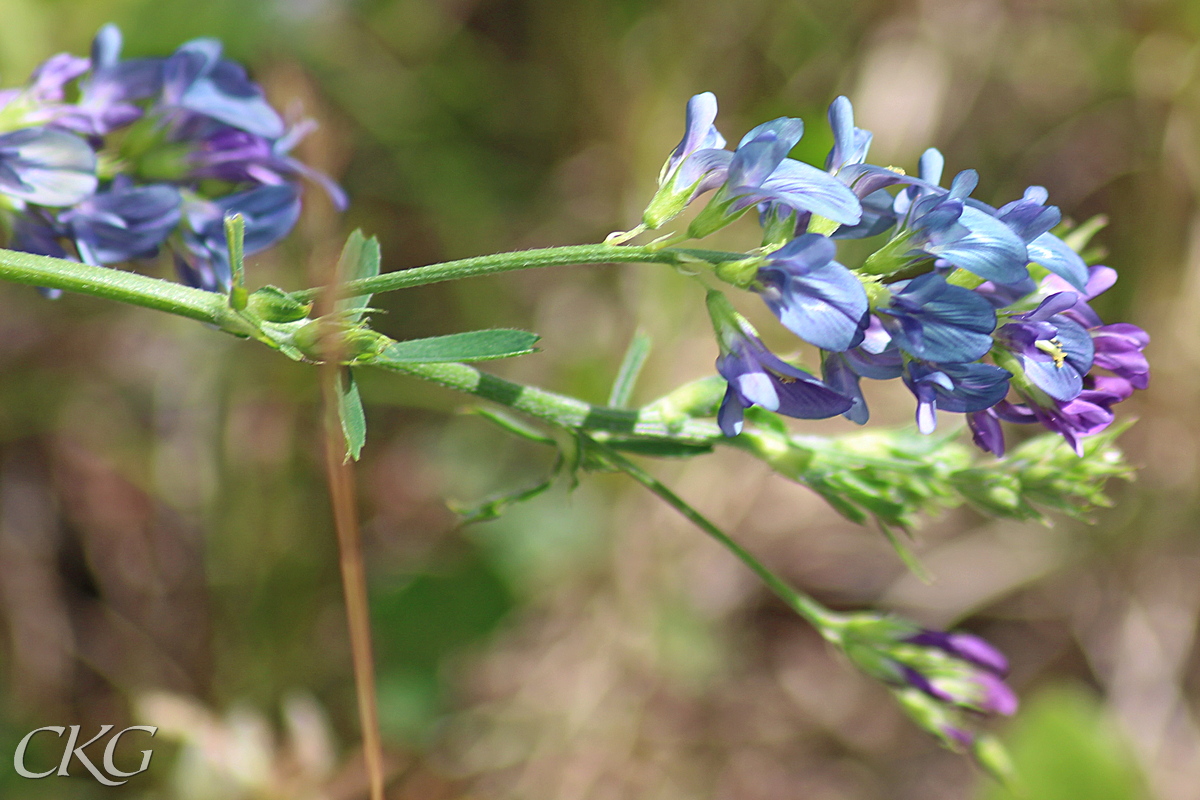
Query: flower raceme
{"points": [[945, 680], [980, 310], [150, 153]]}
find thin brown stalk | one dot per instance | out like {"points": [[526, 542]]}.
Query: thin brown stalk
{"points": [[340, 475]]}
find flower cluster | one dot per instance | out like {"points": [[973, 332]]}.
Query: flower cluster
{"points": [[979, 310], [944, 680], [107, 160]]}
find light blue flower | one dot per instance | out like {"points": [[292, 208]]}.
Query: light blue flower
{"points": [[269, 213], [197, 79], [814, 296], [122, 222], [757, 377], [46, 167], [935, 321], [961, 388]]}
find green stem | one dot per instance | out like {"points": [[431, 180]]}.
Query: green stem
{"points": [[817, 615], [116, 284], [521, 259], [558, 409]]}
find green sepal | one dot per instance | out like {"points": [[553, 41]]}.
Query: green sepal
{"points": [[891, 258], [667, 204], [698, 398], [990, 754], [779, 227], [272, 304], [822, 225], [740, 273], [358, 342], [716, 215]]}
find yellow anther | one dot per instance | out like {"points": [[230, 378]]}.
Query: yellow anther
{"points": [[1054, 348]]}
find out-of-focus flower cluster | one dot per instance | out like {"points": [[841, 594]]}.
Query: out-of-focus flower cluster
{"points": [[945, 680], [107, 160], [979, 310]]}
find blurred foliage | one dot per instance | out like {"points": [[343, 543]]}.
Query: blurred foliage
{"points": [[165, 542], [1066, 748]]}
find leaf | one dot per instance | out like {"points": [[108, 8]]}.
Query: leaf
{"points": [[469, 346], [514, 426], [350, 414], [631, 367], [1066, 746], [494, 506], [360, 259]]}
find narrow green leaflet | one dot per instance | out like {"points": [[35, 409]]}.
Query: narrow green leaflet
{"points": [[631, 367], [359, 259], [469, 346], [496, 505], [514, 426], [350, 414]]}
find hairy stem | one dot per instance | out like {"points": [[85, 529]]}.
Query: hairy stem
{"points": [[558, 409], [115, 284], [522, 259]]}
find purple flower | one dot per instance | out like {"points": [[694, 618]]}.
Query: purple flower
{"points": [[962, 388], [109, 92], [941, 224], [1085, 415], [196, 79], [971, 677], [1060, 345], [46, 167], [942, 679], [877, 357], [1118, 347], [759, 172], [696, 165], [850, 144], [269, 213], [814, 296], [236, 156], [699, 134], [122, 222], [1031, 219], [757, 377], [986, 431], [1055, 352], [935, 321]]}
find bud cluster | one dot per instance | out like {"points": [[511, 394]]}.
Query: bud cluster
{"points": [[946, 681], [107, 160]]}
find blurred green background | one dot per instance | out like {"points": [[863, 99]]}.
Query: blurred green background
{"points": [[166, 550]]}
